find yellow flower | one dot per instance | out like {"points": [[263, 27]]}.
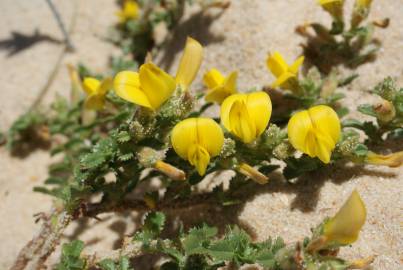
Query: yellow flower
{"points": [[219, 86], [315, 132], [129, 11], [286, 75], [345, 226], [334, 7], [246, 115], [152, 86], [197, 140], [393, 160], [96, 91]]}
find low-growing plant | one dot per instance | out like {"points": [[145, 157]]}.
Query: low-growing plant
{"points": [[327, 47], [136, 124]]}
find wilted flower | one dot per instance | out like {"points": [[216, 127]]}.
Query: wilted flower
{"points": [[286, 75], [385, 111], [393, 160], [197, 140], [152, 86], [360, 12], [219, 86], [96, 91], [315, 131], [130, 11], [246, 115], [334, 7]]}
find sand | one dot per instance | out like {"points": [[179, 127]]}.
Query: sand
{"points": [[237, 39]]}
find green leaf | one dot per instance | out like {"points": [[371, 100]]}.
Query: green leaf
{"points": [[154, 222], [124, 263], [92, 160], [361, 150], [198, 239], [266, 259], [107, 264], [234, 247], [367, 109], [222, 251], [70, 258], [347, 80], [123, 136], [298, 166], [153, 226]]}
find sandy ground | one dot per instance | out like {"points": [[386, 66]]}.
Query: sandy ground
{"points": [[238, 39]]}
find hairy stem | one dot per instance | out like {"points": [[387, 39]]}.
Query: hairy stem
{"points": [[34, 254]]}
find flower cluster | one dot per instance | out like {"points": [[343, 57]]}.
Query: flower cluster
{"points": [[144, 122], [245, 116]]}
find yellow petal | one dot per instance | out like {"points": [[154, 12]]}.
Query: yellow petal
{"points": [[156, 84], [299, 128], [323, 153], [226, 107], [130, 10], [226, 88], [184, 135], [199, 157], [127, 86], [344, 227], [276, 64], [246, 115], [213, 78], [363, 3], [334, 7], [197, 139], [326, 120], [209, 135], [190, 63], [106, 84], [216, 95], [241, 123], [230, 83], [324, 2], [91, 85], [94, 102], [315, 132], [281, 80], [295, 66], [259, 108]]}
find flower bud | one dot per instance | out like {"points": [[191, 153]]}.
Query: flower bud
{"points": [[170, 171], [254, 174], [385, 111]]}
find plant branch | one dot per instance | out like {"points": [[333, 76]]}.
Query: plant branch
{"points": [[94, 209], [34, 254]]}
